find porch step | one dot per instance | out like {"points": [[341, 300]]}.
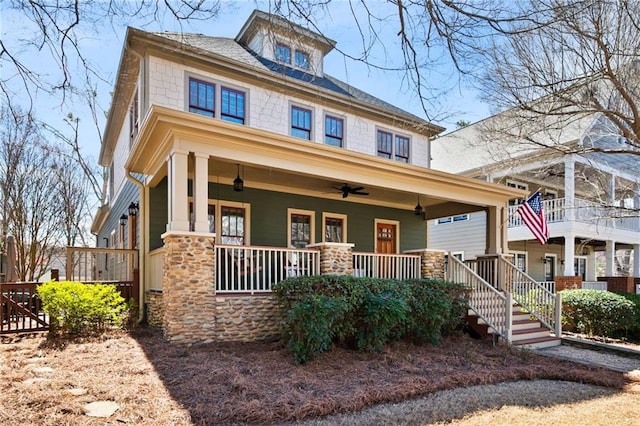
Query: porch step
{"points": [[524, 324], [538, 342], [529, 333]]}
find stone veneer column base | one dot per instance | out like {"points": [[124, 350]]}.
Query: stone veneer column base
{"points": [[188, 287], [335, 258], [155, 308], [431, 263]]}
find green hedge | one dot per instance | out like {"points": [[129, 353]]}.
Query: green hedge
{"points": [[75, 308], [634, 330], [365, 313], [597, 312]]}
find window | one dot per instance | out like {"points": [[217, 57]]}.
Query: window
{"points": [[450, 219], [229, 217], [300, 122], [301, 59], [517, 185], [333, 131], [392, 146], [232, 225], [202, 97], [384, 144], [402, 149], [519, 260], [133, 118], [232, 105], [283, 53], [301, 228], [335, 227]]}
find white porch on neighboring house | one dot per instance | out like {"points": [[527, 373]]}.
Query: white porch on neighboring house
{"points": [[588, 205]]}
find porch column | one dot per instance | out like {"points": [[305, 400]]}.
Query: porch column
{"points": [[188, 288], [636, 260], [610, 254], [497, 241], [201, 192], [335, 258], [569, 188], [177, 198], [612, 201], [569, 255]]}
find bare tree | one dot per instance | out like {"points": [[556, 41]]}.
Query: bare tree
{"points": [[45, 196], [581, 67]]}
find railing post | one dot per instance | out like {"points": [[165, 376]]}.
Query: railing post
{"points": [[508, 317], [558, 315]]}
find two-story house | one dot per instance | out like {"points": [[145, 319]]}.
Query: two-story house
{"points": [[236, 163], [590, 199]]}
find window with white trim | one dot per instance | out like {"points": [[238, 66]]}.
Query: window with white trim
{"points": [[333, 130], [450, 219], [301, 59], [517, 185], [283, 53]]}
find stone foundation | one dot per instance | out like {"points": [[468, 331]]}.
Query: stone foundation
{"points": [[568, 283], [247, 318], [188, 288], [155, 308], [335, 258]]}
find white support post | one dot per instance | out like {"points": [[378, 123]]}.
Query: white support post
{"points": [[636, 260], [610, 261], [558, 315], [178, 200], [509, 318], [201, 193], [569, 255], [569, 188]]}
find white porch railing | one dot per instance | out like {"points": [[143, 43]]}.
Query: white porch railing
{"points": [[594, 285], [488, 303], [542, 303], [253, 269], [584, 211], [89, 264], [389, 266]]}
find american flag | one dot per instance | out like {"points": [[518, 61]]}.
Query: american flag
{"points": [[533, 216]]}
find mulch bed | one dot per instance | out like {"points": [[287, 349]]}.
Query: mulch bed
{"points": [[259, 383]]}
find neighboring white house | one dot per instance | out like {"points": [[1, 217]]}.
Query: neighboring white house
{"points": [[589, 198]]}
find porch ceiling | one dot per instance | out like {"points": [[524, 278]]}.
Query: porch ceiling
{"points": [[282, 163]]}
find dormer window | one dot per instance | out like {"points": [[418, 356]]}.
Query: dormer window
{"points": [[283, 53], [301, 59]]}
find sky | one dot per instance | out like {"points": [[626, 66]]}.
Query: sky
{"points": [[102, 46]]}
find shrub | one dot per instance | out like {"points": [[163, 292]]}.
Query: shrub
{"points": [[366, 313], [596, 312], [308, 325], [76, 308], [634, 330]]}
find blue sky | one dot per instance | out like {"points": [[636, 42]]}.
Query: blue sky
{"points": [[103, 48]]}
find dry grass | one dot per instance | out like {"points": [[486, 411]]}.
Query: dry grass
{"points": [[159, 383]]}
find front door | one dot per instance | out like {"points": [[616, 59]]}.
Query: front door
{"points": [[385, 238], [385, 244]]}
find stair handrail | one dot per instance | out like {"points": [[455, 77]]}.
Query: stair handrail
{"points": [[543, 304], [491, 305]]}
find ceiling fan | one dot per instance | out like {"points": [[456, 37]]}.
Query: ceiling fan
{"points": [[354, 190]]}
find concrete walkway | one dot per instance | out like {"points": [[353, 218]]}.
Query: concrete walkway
{"points": [[605, 355]]}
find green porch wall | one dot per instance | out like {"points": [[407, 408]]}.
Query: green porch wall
{"points": [[269, 217]]}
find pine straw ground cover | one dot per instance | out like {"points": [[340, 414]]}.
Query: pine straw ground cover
{"points": [[157, 383]]}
